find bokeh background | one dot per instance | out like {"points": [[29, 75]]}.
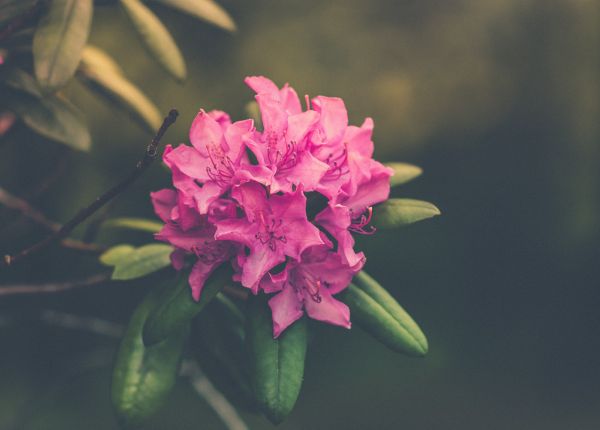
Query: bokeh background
{"points": [[497, 100]]}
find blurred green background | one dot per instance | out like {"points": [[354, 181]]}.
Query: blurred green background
{"points": [[497, 100]]}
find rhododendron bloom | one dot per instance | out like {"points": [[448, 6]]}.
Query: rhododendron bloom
{"points": [[240, 197], [309, 284]]}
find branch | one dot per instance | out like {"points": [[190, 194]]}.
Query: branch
{"points": [[215, 399], [28, 211], [150, 155], [88, 324], [53, 287]]}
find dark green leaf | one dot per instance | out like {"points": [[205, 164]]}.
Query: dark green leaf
{"points": [[376, 311], [179, 308], [51, 117], [156, 38], [103, 75], [135, 263], [218, 345], [398, 212], [277, 365], [59, 40], [207, 10], [403, 173], [134, 224], [144, 376]]}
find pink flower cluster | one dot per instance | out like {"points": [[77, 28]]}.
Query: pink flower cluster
{"points": [[280, 204]]}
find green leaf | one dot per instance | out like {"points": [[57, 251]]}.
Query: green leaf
{"points": [[20, 80], [156, 38], [218, 346], [116, 254], [206, 10], [403, 173], [134, 224], [179, 308], [398, 212], [276, 365], [138, 262], [144, 376], [59, 40], [52, 117], [104, 76], [377, 312]]}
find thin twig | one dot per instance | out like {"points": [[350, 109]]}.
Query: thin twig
{"points": [[215, 399], [27, 210], [149, 156], [53, 287], [89, 324]]}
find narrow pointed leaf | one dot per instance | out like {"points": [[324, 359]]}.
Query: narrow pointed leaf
{"points": [[140, 261], [156, 38], [59, 40], [206, 10], [141, 224], [377, 312], [103, 75], [179, 308], [20, 80], [276, 365], [116, 254], [398, 212], [144, 376], [403, 173], [51, 117]]}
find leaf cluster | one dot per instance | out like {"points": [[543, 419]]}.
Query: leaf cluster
{"points": [[44, 47]]}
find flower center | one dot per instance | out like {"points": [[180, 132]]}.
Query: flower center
{"points": [[282, 159], [306, 282], [337, 165], [222, 169], [269, 231], [211, 251], [360, 224]]}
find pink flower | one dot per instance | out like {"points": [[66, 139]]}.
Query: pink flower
{"points": [[239, 198], [282, 146], [198, 240], [274, 227], [309, 285]]}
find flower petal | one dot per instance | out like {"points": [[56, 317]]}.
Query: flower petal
{"points": [[285, 309], [163, 202], [205, 132], [334, 117], [198, 276], [260, 84], [328, 310]]}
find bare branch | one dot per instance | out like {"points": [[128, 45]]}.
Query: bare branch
{"points": [[150, 155], [27, 210], [53, 287], [213, 397], [88, 324]]}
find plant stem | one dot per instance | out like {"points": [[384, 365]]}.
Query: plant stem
{"points": [[53, 287], [149, 156]]}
